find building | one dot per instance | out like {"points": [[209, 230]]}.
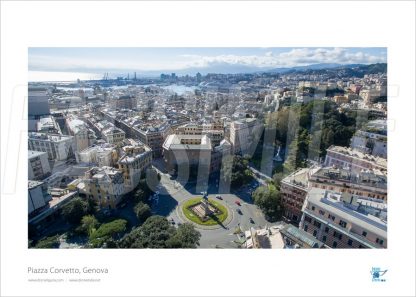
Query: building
{"points": [[294, 189], [84, 137], [38, 196], [99, 155], [341, 99], [353, 160], [214, 130], [124, 102], [280, 236], [136, 158], [369, 95], [59, 147], [342, 220], [372, 139], [103, 184], [367, 183], [38, 102], [153, 136], [113, 135], [47, 124], [243, 134], [187, 150], [38, 165]]}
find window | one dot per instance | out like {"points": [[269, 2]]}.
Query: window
{"points": [[349, 242], [326, 229], [342, 224], [339, 236], [324, 238], [317, 224], [321, 212], [305, 228], [315, 232], [334, 244], [364, 233], [308, 219], [313, 208], [381, 241], [335, 234]]}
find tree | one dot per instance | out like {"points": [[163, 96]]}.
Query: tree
{"points": [[236, 171], [48, 243], [88, 225], [143, 211], [186, 237], [107, 232], [75, 210], [267, 198], [157, 232], [154, 233]]}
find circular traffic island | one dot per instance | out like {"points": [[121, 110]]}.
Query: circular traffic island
{"points": [[205, 212]]}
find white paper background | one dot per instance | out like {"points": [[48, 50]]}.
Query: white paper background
{"points": [[217, 24]]}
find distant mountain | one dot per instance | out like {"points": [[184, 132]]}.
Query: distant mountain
{"points": [[307, 67], [330, 69], [337, 70]]}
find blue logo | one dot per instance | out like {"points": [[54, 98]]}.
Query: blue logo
{"points": [[377, 274]]}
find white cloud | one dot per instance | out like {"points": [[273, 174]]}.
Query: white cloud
{"points": [[294, 57]]}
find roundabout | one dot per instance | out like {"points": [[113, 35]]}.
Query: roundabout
{"points": [[205, 213]]}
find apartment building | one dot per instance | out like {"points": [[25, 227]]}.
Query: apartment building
{"points": [[84, 137], [38, 165], [353, 160], [58, 147], [135, 159], [105, 185], [343, 220], [244, 134], [367, 183]]}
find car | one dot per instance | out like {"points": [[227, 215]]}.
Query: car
{"points": [[218, 197], [251, 220], [238, 203], [172, 221], [239, 211]]}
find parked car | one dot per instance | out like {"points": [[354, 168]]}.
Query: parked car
{"points": [[238, 203], [218, 197], [239, 211], [251, 221]]}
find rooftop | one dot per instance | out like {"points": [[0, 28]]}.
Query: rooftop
{"points": [[372, 178], [358, 155], [33, 154], [34, 183], [298, 178], [367, 213], [178, 141], [49, 137]]}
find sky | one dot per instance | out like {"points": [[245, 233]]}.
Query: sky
{"points": [[88, 62]]}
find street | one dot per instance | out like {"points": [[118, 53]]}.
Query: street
{"points": [[172, 194]]}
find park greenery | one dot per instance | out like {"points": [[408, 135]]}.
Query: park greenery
{"points": [[236, 171], [157, 232], [48, 242], [107, 232], [210, 222], [267, 198], [77, 208], [142, 211]]}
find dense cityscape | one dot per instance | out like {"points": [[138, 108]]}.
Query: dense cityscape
{"points": [[291, 158]]}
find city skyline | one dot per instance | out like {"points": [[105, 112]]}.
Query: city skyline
{"points": [[50, 64]]}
